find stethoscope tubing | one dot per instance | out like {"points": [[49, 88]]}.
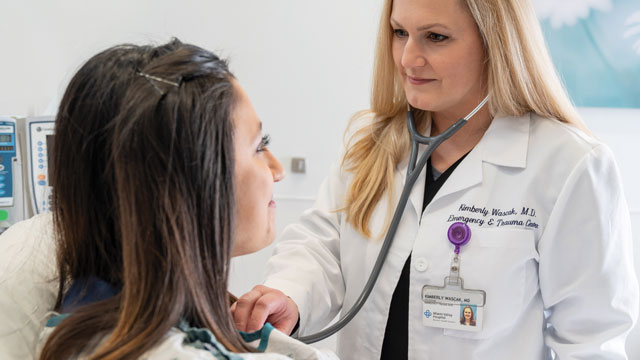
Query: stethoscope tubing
{"points": [[414, 169]]}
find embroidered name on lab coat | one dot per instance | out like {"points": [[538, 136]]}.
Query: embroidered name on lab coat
{"points": [[495, 217]]}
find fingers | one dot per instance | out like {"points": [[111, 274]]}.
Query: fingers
{"points": [[272, 306], [286, 319], [243, 309], [263, 304]]}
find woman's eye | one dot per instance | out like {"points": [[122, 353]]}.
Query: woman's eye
{"points": [[435, 37], [399, 33], [266, 139]]}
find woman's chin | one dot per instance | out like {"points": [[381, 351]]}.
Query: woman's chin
{"points": [[418, 101]]}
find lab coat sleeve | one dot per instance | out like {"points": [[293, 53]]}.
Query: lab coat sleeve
{"points": [[306, 261], [586, 271]]}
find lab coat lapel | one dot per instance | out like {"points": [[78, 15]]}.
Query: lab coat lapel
{"points": [[467, 174], [505, 143]]}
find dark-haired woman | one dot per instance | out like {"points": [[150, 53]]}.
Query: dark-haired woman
{"points": [[150, 203], [28, 288]]}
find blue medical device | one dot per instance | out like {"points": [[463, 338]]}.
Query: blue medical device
{"points": [[11, 204]]}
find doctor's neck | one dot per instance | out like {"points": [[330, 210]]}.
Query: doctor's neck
{"points": [[476, 125], [464, 140]]}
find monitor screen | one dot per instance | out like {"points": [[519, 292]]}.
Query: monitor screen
{"points": [[5, 138]]}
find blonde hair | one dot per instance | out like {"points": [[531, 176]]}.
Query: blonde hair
{"points": [[521, 79]]}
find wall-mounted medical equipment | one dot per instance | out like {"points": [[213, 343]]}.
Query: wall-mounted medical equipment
{"points": [[25, 148], [39, 136], [11, 175]]}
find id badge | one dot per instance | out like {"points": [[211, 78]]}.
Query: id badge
{"points": [[452, 307]]}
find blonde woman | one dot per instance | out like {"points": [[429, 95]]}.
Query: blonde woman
{"points": [[548, 262]]}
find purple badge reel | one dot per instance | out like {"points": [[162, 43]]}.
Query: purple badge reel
{"points": [[459, 235]]}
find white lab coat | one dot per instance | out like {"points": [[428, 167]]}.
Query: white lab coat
{"points": [[559, 279]]}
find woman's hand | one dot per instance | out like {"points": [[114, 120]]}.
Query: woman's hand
{"points": [[261, 305]]}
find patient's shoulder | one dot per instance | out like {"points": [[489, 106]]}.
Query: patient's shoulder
{"points": [[28, 285]]}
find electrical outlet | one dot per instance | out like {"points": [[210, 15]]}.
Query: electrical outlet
{"points": [[298, 165]]}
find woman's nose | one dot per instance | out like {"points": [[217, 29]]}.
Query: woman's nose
{"points": [[276, 168], [412, 55]]}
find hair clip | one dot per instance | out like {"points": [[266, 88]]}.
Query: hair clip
{"points": [[159, 79]]}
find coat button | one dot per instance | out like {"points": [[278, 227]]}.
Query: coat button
{"points": [[421, 264]]}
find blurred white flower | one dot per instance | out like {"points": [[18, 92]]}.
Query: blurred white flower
{"points": [[568, 12], [633, 29]]}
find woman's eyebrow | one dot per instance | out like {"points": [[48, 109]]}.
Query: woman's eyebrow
{"points": [[423, 27], [429, 26]]}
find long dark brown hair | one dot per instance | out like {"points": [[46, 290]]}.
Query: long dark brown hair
{"points": [[144, 198]]}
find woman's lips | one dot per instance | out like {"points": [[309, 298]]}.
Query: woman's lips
{"points": [[272, 204], [418, 81]]}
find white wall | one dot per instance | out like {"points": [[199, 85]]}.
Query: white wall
{"points": [[305, 64]]}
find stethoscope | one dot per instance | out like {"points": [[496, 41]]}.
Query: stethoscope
{"points": [[413, 171]]}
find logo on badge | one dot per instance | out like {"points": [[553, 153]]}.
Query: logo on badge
{"points": [[427, 314]]}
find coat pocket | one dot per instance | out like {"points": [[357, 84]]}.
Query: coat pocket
{"points": [[497, 260]]}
